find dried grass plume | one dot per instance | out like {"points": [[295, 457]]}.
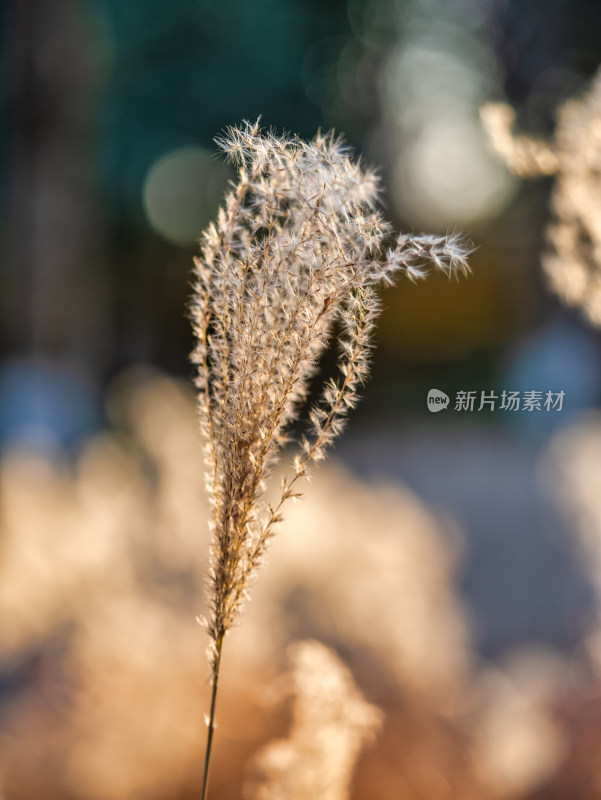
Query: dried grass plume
{"points": [[572, 261], [330, 723], [298, 248]]}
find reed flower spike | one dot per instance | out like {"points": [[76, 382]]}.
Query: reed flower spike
{"points": [[572, 258], [297, 248]]}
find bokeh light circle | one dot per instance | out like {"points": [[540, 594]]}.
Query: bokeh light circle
{"points": [[181, 192]]}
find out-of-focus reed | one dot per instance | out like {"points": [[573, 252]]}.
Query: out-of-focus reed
{"points": [[572, 260], [102, 570]]}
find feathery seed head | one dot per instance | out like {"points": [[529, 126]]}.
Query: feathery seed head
{"points": [[298, 246]]}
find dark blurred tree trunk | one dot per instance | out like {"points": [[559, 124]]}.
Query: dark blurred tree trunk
{"points": [[54, 237]]}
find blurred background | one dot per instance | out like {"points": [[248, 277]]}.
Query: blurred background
{"points": [[469, 610]]}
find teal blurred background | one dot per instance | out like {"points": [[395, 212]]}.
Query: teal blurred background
{"points": [[109, 170]]}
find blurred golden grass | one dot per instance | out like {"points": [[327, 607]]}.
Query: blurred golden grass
{"points": [[572, 258], [103, 679], [331, 720]]}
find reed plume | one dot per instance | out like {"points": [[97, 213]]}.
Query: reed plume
{"points": [[572, 260], [331, 720], [297, 248]]}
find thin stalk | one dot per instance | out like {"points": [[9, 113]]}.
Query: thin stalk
{"points": [[211, 722]]}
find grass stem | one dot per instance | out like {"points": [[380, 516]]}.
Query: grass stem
{"points": [[211, 721]]}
